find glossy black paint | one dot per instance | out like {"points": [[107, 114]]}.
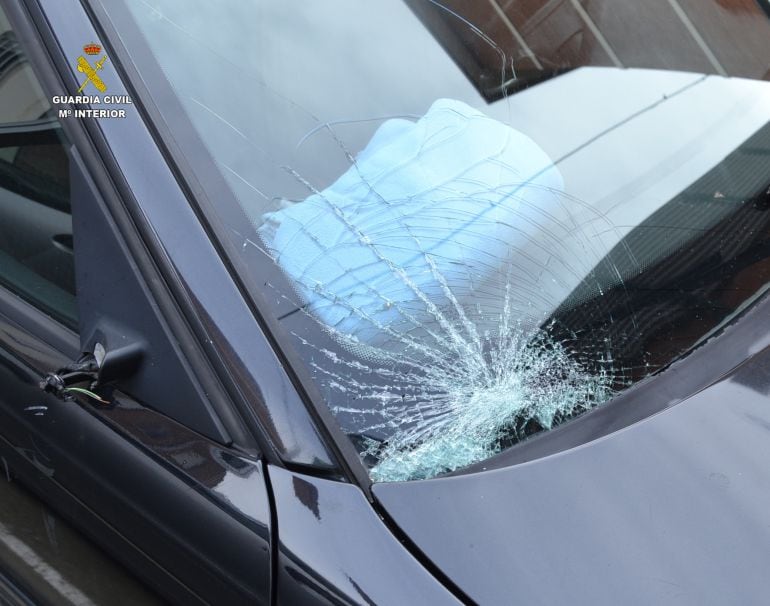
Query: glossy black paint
{"points": [[12, 594], [334, 549], [672, 510], [146, 477], [189, 515]]}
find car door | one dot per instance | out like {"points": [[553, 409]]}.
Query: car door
{"points": [[146, 466]]}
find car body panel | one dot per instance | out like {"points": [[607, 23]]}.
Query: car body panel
{"points": [[146, 476], [189, 513], [664, 509], [334, 548], [670, 510]]}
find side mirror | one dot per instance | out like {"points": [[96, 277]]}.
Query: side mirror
{"points": [[117, 355]]}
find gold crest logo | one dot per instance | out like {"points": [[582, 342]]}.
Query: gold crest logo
{"points": [[84, 67]]}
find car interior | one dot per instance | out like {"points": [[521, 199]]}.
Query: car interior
{"points": [[36, 253]]}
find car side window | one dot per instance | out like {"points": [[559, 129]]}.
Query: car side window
{"points": [[36, 247]]}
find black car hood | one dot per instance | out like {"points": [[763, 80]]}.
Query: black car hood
{"points": [[672, 510]]}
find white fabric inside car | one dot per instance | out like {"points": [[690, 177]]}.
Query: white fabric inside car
{"points": [[427, 210]]}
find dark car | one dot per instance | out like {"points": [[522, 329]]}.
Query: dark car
{"points": [[419, 302]]}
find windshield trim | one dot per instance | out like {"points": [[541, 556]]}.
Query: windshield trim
{"points": [[678, 380]]}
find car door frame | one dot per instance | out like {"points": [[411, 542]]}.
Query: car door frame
{"points": [[54, 466]]}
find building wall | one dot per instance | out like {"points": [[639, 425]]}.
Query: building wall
{"points": [[502, 41]]}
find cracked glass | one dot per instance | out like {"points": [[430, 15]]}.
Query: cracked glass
{"points": [[472, 222]]}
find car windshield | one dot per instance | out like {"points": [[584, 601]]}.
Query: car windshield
{"points": [[473, 221]]}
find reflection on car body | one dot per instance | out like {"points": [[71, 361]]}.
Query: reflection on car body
{"points": [[308, 303]]}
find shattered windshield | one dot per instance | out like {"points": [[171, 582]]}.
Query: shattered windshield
{"points": [[472, 222]]}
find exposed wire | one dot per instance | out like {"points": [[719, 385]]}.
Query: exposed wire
{"points": [[86, 392]]}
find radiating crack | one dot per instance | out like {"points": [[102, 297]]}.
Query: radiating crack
{"points": [[433, 263]]}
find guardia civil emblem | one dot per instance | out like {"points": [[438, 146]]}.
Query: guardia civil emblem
{"points": [[89, 70]]}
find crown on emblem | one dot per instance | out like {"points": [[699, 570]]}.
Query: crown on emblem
{"points": [[92, 49]]}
